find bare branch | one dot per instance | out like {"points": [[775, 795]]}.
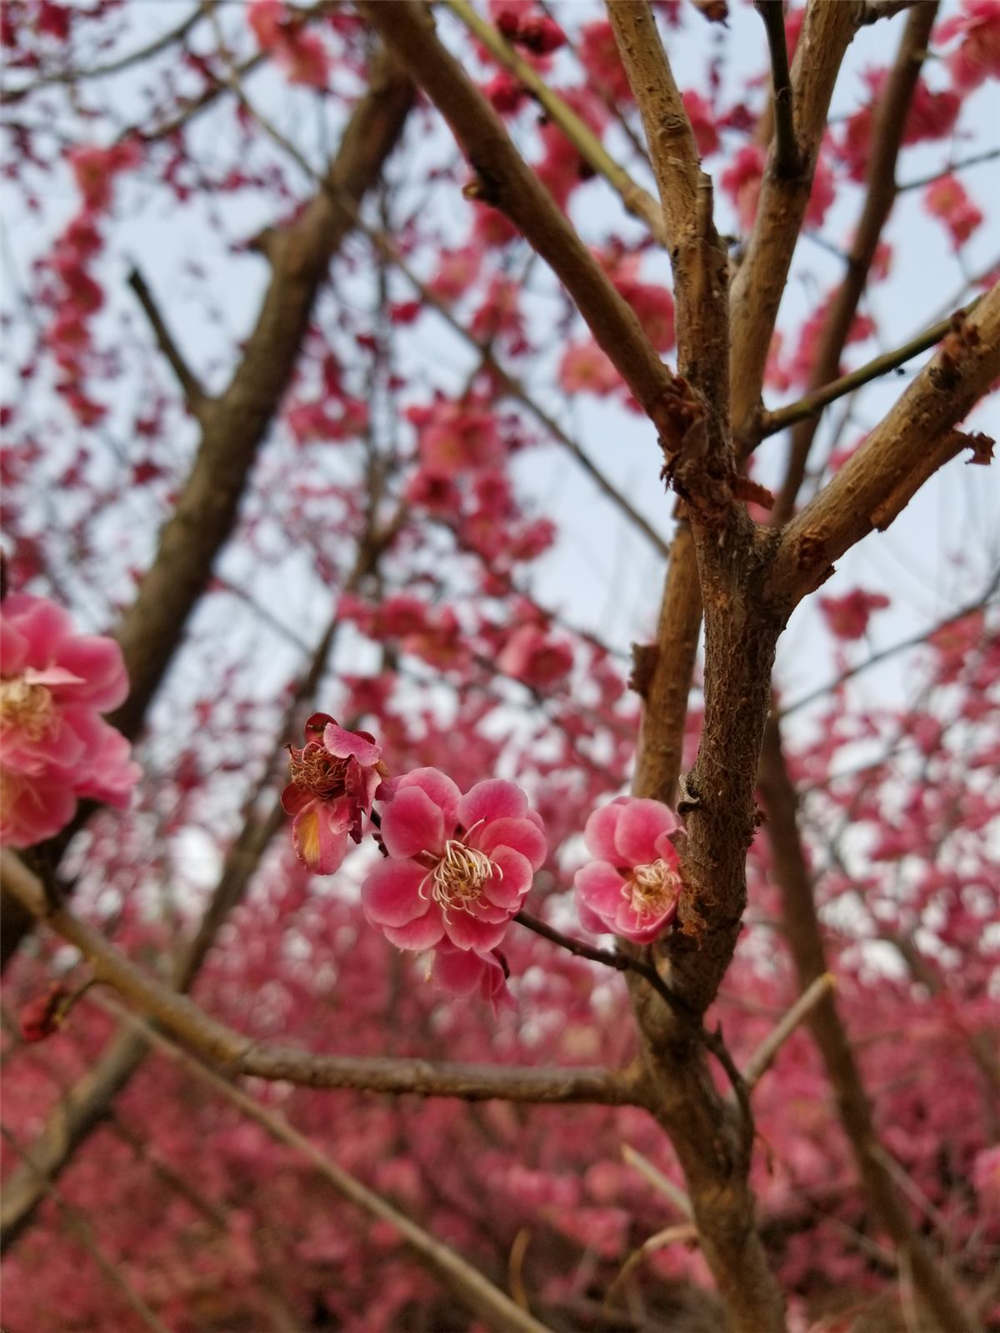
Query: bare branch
{"points": [[813, 403], [760, 281], [194, 394], [911, 442], [672, 148], [763, 1057], [638, 201], [468, 1283], [505, 181], [887, 138], [786, 154], [239, 1055]]}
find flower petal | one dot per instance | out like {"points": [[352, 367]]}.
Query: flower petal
{"points": [[412, 823], [319, 832], [599, 830], [599, 885], [438, 786], [470, 932], [523, 835], [423, 933], [345, 744], [509, 887], [489, 800], [390, 894], [640, 824]]}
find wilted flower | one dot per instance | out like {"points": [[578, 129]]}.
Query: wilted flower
{"points": [[458, 866], [334, 779], [633, 886], [54, 746]]}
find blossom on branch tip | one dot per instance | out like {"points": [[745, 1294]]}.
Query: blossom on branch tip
{"points": [[334, 778], [54, 746], [632, 886], [458, 867]]}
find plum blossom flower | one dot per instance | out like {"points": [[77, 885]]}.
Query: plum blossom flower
{"points": [[631, 888], [54, 746], [458, 867], [848, 616], [335, 776], [977, 56], [534, 657], [947, 199]]}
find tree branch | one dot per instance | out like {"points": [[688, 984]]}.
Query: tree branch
{"points": [[638, 201], [805, 940], [786, 150], [760, 280], [763, 1057], [813, 403], [887, 139], [912, 441], [194, 394], [458, 1275], [505, 181], [238, 1055]]}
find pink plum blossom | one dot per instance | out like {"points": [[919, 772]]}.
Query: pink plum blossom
{"points": [[848, 616], [533, 656], [458, 867], [631, 888], [466, 972], [335, 776], [54, 746]]}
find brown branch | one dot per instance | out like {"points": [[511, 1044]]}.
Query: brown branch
{"points": [[887, 138], [195, 396], [912, 441], [458, 1275], [805, 940], [760, 280], [813, 403], [764, 1056], [638, 201], [672, 149], [786, 150], [505, 181], [238, 1055]]}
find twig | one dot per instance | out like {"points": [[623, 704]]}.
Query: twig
{"points": [[762, 1058], [658, 1180], [973, 160], [638, 201], [684, 1233], [194, 394], [880, 193], [894, 648], [473, 1287], [909, 444], [786, 155], [221, 1045], [782, 417]]}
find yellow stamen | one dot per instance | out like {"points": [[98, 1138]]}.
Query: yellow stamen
{"points": [[650, 889], [457, 879], [27, 707]]}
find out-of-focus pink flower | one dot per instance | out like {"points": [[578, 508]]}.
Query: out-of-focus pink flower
{"points": [[631, 888], [534, 657], [585, 368], [466, 972], [599, 56], [458, 867], [706, 136], [741, 181], [335, 776], [848, 616], [946, 199], [978, 54], [300, 54], [457, 437], [54, 746]]}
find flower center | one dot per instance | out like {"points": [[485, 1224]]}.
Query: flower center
{"points": [[317, 769], [651, 889], [26, 707], [456, 881]]}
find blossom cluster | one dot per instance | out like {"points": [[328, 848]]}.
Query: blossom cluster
{"points": [[54, 746], [456, 867]]}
